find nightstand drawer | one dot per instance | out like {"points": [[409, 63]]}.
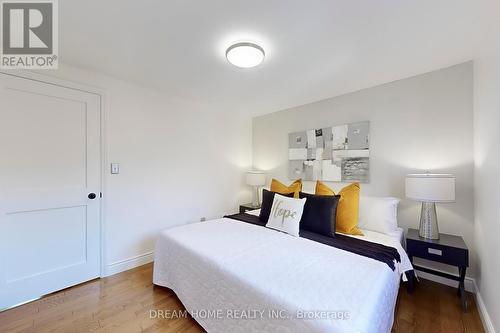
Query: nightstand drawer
{"points": [[436, 252]]}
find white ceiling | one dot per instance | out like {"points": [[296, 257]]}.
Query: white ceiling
{"points": [[315, 49]]}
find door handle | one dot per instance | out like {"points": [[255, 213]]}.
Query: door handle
{"points": [[92, 196]]}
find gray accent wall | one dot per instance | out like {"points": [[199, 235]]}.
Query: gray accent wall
{"points": [[418, 124]]}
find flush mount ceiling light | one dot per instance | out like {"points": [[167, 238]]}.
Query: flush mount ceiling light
{"points": [[245, 54]]}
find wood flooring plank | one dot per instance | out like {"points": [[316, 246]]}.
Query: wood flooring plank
{"points": [[122, 303]]}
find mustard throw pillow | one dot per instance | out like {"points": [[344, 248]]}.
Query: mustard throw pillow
{"points": [[279, 187], [322, 189], [347, 209]]}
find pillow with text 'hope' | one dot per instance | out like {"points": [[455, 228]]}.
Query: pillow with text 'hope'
{"points": [[286, 214]]}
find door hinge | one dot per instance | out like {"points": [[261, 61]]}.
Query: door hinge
{"points": [[100, 194]]}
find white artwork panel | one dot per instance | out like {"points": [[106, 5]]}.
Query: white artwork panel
{"points": [[297, 154], [319, 153], [311, 139], [339, 136], [296, 170], [350, 153], [330, 171]]}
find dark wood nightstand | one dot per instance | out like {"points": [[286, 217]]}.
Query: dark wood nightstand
{"points": [[448, 249], [246, 207]]}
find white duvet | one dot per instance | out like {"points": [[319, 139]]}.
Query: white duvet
{"points": [[238, 277]]}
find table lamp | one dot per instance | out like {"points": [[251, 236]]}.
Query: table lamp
{"points": [[255, 179], [430, 188]]}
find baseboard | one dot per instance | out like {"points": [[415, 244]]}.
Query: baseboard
{"points": [[470, 284], [124, 265], [483, 313]]}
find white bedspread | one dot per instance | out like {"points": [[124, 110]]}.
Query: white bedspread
{"points": [[225, 265]]}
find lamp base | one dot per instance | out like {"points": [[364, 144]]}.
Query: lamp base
{"points": [[255, 197], [428, 221]]}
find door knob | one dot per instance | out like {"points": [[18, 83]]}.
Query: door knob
{"points": [[92, 196]]}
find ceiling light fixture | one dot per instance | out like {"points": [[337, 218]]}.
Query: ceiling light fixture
{"points": [[245, 54]]}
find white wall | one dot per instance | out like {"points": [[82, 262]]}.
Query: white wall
{"points": [[417, 124], [163, 182], [487, 178], [179, 161]]}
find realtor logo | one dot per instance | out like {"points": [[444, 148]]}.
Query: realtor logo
{"points": [[29, 34]]}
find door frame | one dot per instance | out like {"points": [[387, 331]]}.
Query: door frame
{"points": [[64, 83]]}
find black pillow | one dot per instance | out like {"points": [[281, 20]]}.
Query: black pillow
{"points": [[320, 212], [267, 204]]}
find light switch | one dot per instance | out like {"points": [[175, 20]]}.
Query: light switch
{"points": [[115, 168]]}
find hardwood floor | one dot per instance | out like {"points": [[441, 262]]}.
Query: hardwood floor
{"points": [[434, 307], [122, 303]]}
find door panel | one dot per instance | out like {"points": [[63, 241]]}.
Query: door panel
{"points": [[44, 144], [49, 163], [68, 221]]}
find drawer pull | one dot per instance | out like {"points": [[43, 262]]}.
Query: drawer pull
{"points": [[435, 251]]}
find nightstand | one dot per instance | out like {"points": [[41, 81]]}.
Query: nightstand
{"points": [[448, 249], [246, 207]]}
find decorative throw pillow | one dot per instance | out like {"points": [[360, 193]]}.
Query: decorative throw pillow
{"points": [[378, 214], [347, 209], [286, 214], [267, 204], [323, 189], [320, 213], [279, 187]]}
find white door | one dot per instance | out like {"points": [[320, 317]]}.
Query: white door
{"points": [[49, 166]]}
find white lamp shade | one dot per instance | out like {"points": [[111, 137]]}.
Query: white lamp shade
{"points": [[256, 178], [430, 187]]}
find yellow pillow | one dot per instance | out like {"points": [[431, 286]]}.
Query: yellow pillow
{"points": [[322, 189], [347, 209], [279, 187]]}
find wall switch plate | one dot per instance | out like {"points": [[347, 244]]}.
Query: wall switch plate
{"points": [[115, 168]]}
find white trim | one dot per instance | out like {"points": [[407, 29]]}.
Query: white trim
{"points": [[104, 163], [483, 312], [470, 284], [49, 79], [124, 265]]}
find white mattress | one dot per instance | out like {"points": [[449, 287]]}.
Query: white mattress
{"points": [[224, 265]]}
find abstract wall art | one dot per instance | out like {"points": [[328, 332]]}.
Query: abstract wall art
{"points": [[337, 153]]}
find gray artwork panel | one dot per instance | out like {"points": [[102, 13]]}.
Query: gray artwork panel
{"points": [[337, 162], [355, 169], [319, 138], [358, 135], [327, 151], [345, 146], [296, 170], [308, 174], [312, 170], [311, 153], [297, 140], [327, 143], [327, 136]]}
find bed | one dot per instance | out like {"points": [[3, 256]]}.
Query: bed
{"points": [[238, 277]]}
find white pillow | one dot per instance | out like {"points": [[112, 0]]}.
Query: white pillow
{"points": [[286, 214], [378, 214]]}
